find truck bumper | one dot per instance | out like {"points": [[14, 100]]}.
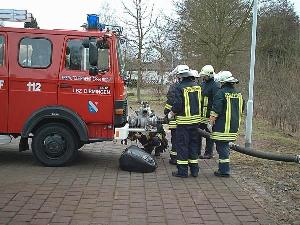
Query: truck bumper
{"points": [[121, 133]]}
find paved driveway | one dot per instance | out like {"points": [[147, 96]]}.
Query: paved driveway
{"points": [[94, 190]]}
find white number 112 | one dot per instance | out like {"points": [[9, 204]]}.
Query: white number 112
{"points": [[33, 86]]}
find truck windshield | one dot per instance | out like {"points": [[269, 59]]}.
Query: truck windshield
{"points": [[121, 60]]}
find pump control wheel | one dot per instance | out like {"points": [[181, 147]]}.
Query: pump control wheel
{"points": [[54, 144]]}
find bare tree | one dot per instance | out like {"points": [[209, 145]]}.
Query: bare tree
{"points": [[139, 23], [161, 51], [107, 14], [213, 29]]}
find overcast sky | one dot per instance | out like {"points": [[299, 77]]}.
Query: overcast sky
{"points": [[68, 14], [71, 14]]}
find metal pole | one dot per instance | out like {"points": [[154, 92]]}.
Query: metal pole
{"points": [[248, 131]]}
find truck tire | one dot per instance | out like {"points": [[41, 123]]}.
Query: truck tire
{"points": [[80, 145], [54, 144]]}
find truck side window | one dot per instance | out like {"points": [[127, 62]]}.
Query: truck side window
{"points": [[2, 51], [35, 52], [77, 57]]}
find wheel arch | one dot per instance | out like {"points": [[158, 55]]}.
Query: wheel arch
{"points": [[59, 114]]}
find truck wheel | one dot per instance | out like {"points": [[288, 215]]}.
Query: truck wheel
{"points": [[54, 145], [80, 145]]}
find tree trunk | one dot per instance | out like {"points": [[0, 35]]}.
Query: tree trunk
{"points": [[139, 81]]}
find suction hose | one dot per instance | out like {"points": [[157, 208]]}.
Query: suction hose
{"points": [[258, 154]]}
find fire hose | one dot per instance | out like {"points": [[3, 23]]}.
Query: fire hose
{"points": [[255, 153]]}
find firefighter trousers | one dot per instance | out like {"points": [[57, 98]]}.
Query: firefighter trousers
{"points": [[187, 143], [173, 153], [209, 143], [223, 151]]}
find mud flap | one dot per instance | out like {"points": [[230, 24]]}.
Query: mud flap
{"points": [[134, 159]]}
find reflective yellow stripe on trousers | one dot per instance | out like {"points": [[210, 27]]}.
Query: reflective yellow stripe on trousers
{"points": [[182, 162], [193, 161], [224, 160]]}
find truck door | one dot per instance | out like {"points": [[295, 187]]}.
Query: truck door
{"points": [[89, 96], [33, 71], [3, 84]]}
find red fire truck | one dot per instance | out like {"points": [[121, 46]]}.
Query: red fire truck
{"points": [[61, 88]]}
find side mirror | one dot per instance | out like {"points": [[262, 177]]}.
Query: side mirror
{"points": [[93, 54], [102, 43], [103, 61], [93, 71], [86, 43]]}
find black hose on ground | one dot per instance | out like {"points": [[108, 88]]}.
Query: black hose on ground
{"points": [[258, 154]]}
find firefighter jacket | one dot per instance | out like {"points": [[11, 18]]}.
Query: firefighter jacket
{"points": [[209, 90], [187, 104], [170, 98], [228, 108], [169, 104]]}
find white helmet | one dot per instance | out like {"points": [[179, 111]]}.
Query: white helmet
{"points": [[217, 77], [182, 71], [195, 73], [226, 77], [207, 70]]}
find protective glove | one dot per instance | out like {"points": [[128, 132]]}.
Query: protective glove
{"points": [[209, 127], [170, 115]]}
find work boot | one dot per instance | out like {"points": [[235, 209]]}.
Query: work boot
{"points": [[176, 174], [172, 161], [220, 174], [194, 174], [194, 170]]}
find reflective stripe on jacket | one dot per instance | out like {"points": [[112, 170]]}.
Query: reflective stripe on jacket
{"points": [[187, 104], [227, 106], [209, 90]]}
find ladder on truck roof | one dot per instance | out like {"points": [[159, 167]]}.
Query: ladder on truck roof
{"points": [[13, 15]]}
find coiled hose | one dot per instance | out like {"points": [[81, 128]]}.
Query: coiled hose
{"points": [[258, 154]]}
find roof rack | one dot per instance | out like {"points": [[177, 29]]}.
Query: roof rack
{"points": [[13, 15]]}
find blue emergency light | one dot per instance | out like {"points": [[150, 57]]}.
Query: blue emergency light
{"points": [[93, 22]]}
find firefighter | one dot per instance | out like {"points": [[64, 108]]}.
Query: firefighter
{"points": [[172, 122], [209, 89], [156, 141], [187, 108], [225, 119]]}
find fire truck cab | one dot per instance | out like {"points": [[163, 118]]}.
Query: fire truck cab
{"points": [[62, 88]]}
